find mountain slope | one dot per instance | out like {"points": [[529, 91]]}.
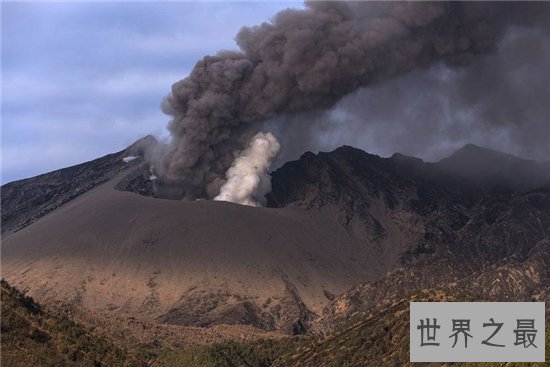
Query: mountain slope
{"points": [[25, 201], [491, 239], [346, 231], [33, 336], [489, 167], [191, 263], [501, 253], [379, 337]]}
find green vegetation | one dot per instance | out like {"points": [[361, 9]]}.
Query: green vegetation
{"points": [[262, 353], [380, 339], [32, 336], [377, 339]]}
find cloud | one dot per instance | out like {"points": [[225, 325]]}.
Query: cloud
{"points": [[80, 80], [499, 101]]}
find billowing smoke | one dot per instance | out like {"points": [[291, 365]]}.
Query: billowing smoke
{"points": [[307, 60], [247, 179]]}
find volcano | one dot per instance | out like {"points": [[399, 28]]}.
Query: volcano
{"points": [[343, 231]]}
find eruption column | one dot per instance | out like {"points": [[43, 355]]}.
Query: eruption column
{"points": [[247, 179]]}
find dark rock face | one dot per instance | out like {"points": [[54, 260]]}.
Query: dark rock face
{"points": [[477, 222], [347, 174], [206, 308], [138, 181], [25, 201], [353, 181], [485, 224], [143, 182], [505, 259], [484, 227]]}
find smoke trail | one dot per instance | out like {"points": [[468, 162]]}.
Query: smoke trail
{"points": [[304, 60], [247, 179]]}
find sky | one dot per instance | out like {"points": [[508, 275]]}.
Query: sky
{"points": [[81, 80], [84, 79]]}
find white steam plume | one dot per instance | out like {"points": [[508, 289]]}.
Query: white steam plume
{"points": [[247, 178]]}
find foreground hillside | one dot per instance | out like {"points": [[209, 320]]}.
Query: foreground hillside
{"points": [[379, 337], [34, 336]]}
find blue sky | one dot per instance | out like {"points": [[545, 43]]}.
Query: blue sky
{"points": [[81, 80]]}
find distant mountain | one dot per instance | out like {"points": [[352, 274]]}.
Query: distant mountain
{"points": [[315, 180], [490, 167], [344, 232]]}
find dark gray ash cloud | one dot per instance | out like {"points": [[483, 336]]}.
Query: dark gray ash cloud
{"points": [[499, 101], [304, 61]]}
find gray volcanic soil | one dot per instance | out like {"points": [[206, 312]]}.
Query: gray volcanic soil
{"points": [[25, 201], [194, 263], [346, 231]]}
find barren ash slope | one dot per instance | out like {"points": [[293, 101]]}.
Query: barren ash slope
{"points": [[192, 263], [345, 232]]}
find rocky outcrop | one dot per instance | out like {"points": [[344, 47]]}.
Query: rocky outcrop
{"points": [[25, 201], [386, 227], [477, 222], [501, 253]]}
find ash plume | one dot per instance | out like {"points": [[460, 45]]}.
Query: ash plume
{"points": [[307, 60], [247, 179]]}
